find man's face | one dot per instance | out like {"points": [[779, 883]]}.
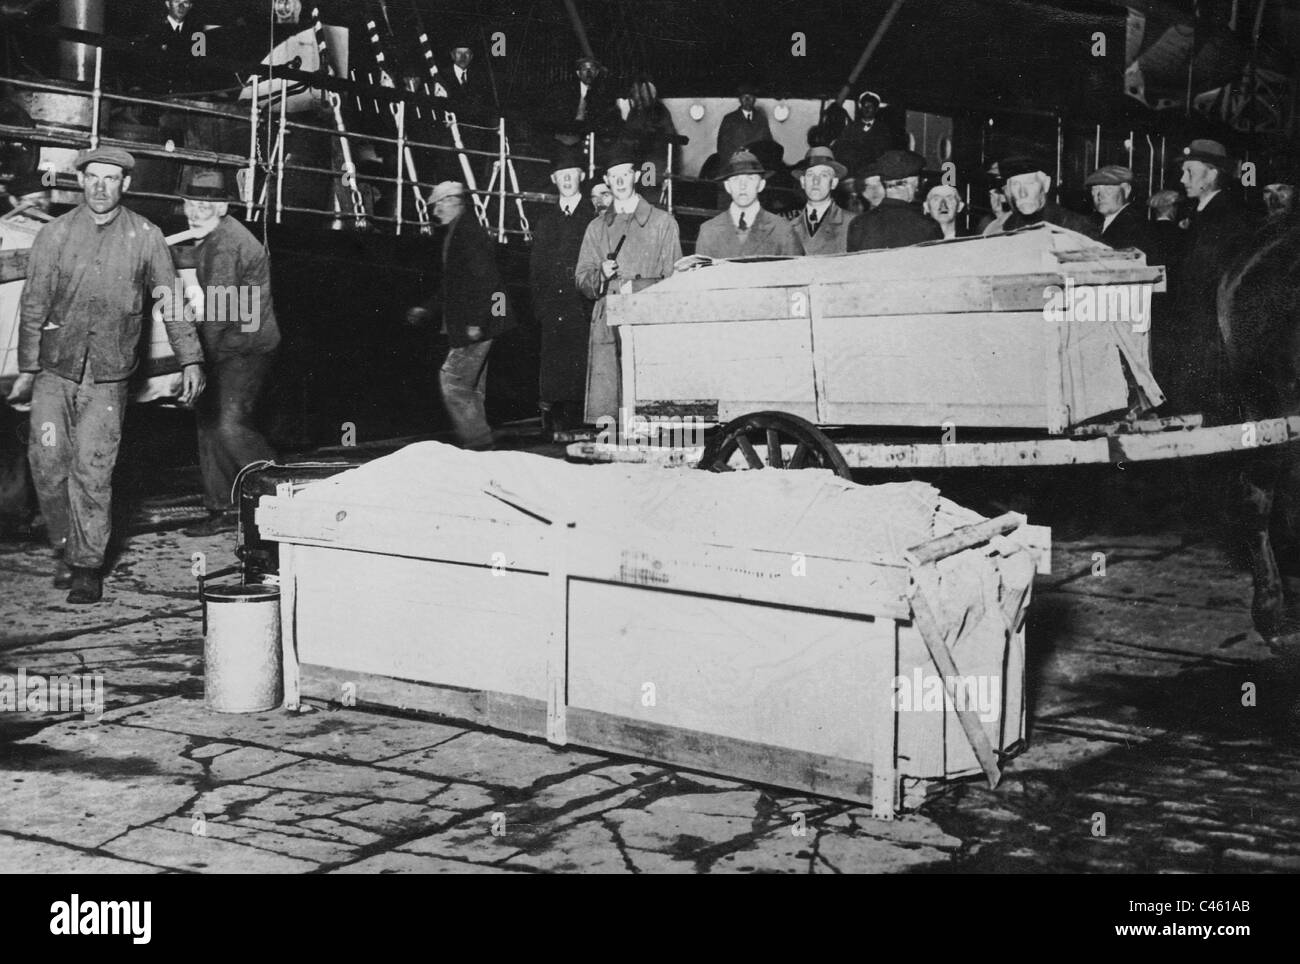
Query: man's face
{"points": [[867, 111], [203, 216], [178, 9], [942, 204], [747, 101], [283, 11], [1198, 178], [818, 182], [587, 73], [447, 209], [1278, 198], [622, 180], [461, 57], [568, 181], [601, 197], [1109, 198], [744, 188], [104, 185], [1028, 192], [873, 191]]}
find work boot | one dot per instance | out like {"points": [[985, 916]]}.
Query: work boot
{"points": [[62, 574], [216, 523], [87, 586]]}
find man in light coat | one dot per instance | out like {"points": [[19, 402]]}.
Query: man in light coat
{"points": [[745, 229], [821, 226]]}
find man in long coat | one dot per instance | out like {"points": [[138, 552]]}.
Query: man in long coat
{"points": [[563, 312], [648, 244], [745, 229]]}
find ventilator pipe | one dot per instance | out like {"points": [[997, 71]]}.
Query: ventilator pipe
{"points": [[76, 61]]}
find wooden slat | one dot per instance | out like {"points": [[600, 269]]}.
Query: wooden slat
{"points": [[13, 265], [516, 714], [725, 305], [967, 537], [289, 617], [1204, 441]]}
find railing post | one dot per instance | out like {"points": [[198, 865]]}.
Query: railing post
{"points": [[252, 152], [591, 155], [668, 177], [279, 170], [97, 94], [501, 191], [401, 158]]}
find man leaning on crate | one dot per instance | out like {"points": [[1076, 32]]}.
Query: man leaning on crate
{"points": [[83, 304]]}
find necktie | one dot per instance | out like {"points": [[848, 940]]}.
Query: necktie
{"points": [[582, 108], [812, 222], [742, 225]]}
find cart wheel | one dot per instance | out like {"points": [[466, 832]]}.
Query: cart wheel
{"points": [[770, 431]]}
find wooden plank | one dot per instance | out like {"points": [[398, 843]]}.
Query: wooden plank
{"points": [[503, 711], [967, 537], [13, 265], [1240, 437], [967, 455], [725, 756], [728, 305], [881, 729], [1140, 426], [926, 296], [289, 617]]}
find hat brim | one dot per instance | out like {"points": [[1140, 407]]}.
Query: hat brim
{"points": [[726, 175], [1215, 160], [839, 169], [206, 194]]}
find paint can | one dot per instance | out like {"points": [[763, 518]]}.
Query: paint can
{"points": [[241, 652]]}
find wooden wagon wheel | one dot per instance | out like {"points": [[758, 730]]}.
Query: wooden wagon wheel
{"points": [[772, 430]]}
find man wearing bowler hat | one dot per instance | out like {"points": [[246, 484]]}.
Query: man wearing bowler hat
{"points": [[1122, 224], [239, 334], [1026, 184], [1218, 232], [88, 278], [563, 313], [898, 221], [821, 226], [630, 246], [867, 137], [745, 229]]}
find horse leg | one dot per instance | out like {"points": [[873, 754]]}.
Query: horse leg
{"points": [[1257, 483]]}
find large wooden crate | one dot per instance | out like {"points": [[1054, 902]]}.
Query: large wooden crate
{"points": [[952, 332], [702, 656]]}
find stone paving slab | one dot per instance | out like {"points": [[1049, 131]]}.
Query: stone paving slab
{"points": [[18, 855]]}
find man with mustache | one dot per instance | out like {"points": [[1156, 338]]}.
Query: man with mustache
{"points": [[82, 308]]}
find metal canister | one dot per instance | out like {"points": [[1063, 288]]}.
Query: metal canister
{"points": [[241, 652]]}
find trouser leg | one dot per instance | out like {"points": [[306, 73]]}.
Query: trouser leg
{"points": [[49, 450], [228, 440], [463, 379]]}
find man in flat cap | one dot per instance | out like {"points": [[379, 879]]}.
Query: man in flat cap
{"points": [[1026, 184], [867, 137], [1122, 224], [563, 313], [743, 126], [239, 334], [581, 105], [475, 309], [1218, 232], [88, 277], [745, 229], [821, 226], [630, 246], [898, 221]]}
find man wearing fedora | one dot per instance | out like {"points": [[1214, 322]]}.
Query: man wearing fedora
{"points": [[745, 229], [581, 104], [898, 221], [83, 303], [630, 246], [563, 313], [239, 334], [1122, 224], [867, 137], [1026, 184], [475, 309], [821, 226], [1218, 233], [743, 126]]}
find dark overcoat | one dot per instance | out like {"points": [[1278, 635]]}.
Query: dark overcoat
{"points": [[563, 312]]}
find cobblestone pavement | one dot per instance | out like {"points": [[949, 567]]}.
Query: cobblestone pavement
{"points": [[1144, 755]]}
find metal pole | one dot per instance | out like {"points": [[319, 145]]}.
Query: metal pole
{"points": [[1096, 161], [1060, 150], [501, 191], [1130, 150], [1151, 171], [668, 177], [861, 65], [252, 150], [96, 98], [401, 158], [279, 171], [578, 29], [1163, 162]]}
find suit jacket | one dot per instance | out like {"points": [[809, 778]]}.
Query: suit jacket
{"points": [[832, 235], [563, 312], [769, 234], [1130, 229], [856, 148], [895, 224], [472, 101], [735, 132], [601, 114], [1216, 236], [169, 75], [472, 292], [1053, 214]]}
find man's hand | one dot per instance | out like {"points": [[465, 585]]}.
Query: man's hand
{"points": [[22, 390], [473, 332], [192, 384], [417, 316], [609, 267]]}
